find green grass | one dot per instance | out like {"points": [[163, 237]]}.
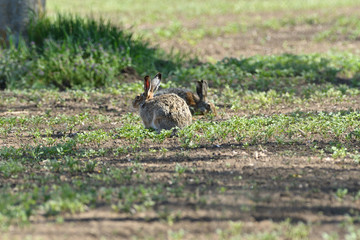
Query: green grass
{"points": [[340, 126], [74, 155], [154, 20], [72, 52], [140, 11], [284, 72], [89, 182], [69, 52], [63, 163], [343, 28], [282, 230], [96, 56]]}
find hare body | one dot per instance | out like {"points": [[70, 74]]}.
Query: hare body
{"points": [[162, 112], [165, 112], [197, 102]]}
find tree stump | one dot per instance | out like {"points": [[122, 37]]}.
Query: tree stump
{"points": [[15, 15]]}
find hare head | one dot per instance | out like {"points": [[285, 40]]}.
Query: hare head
{"points": [[202, 104], [150, 86]]}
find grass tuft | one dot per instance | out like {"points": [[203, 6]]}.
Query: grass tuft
{"points": [[73, 52]]}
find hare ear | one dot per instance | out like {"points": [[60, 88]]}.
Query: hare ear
{"points": [[201, 89], [155, 82], [146, 85]]}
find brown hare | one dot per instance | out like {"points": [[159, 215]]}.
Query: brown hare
{"points": [[197, 102], [161, 112]]}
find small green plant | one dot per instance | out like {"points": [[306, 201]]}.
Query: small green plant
{"points": [[176, 235], [90, 166], [234, 230], [330, 236], [296, 232], [179, 169], [356, 157], [339, 152], [341, 193], [11, 169]]}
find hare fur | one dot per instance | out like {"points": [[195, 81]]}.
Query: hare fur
{"points": [[161, 112], [198, 102]]}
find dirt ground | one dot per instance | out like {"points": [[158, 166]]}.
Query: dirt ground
{"points": [[265, 184]]}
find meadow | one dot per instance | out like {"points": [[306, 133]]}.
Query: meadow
{"points": [[279, 160]]}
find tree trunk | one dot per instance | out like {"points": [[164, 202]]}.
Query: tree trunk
{"points": [[14, 15]]}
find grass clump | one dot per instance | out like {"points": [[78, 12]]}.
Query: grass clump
{"points": [[72, 52], [283, 72]]}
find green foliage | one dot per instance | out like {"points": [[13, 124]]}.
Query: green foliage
{"points": [[262, 73], [283, 128], [343, 28], [142, 11], [16, 208], [68, 174], [179, 169], [72, 52], [339, 152], [341, 193], [10, 169], [70, 163]]}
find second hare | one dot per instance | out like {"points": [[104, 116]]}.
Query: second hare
{"points": [[161, 112], [196, 102]]}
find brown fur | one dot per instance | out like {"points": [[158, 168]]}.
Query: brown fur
{"points": [[193, 100], [190, 99], [161, 112]]}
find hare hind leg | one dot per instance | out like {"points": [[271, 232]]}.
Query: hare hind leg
{"points": [[162, 123]]}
